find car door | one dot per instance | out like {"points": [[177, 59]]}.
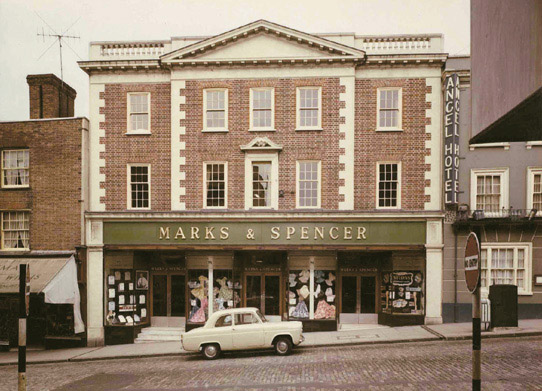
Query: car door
{"points": [[222, 332], [247, 331]]}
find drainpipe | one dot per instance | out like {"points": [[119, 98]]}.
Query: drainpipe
{"points": [[455, 275]]}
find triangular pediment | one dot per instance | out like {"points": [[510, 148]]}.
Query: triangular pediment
{"points": [[261, 144], [262, 41]]}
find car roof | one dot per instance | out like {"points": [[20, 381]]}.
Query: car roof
{"points": [[218, 313]]}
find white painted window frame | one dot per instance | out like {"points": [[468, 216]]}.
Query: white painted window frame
{"points": [[298, 108], [531, 172], [528, 278], [129, 130], [226, 110], [2, 236], [504, 203], [255, 157], [205, 206], [298, 182], [4, 169], [399, 127], [399, 185], [253, 128], [129, 185]]}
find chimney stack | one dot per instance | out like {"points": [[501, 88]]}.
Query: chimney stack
{"points": [[50, 97]]}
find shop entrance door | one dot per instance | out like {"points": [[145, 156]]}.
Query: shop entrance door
{"points": [[262, 290], [359, 299], [168, 300]]}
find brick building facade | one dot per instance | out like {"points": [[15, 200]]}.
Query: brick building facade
{"points": [[43, 190], [264, 167]]}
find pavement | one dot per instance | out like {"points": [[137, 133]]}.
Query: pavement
{"points": [[347, 335]]}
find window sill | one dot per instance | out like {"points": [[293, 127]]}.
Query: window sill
{"points": [[262, 130], [14, 250], [15, 188], [388, 208], [303, 129], [214, 130], [137, 133], [388, 129], [137, 209]]}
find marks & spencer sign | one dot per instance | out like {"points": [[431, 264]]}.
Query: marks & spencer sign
{"points": [[263, 233]]}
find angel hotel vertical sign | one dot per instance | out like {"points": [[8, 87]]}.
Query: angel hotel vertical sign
{"points": [[451, 139]]}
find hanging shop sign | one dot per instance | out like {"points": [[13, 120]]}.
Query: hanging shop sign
{"points": [[451, 139], [264, 233], [472, 262]]}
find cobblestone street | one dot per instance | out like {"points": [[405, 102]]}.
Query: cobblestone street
{"points": [[508, 364]]}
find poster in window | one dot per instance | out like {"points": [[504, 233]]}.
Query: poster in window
{"points": [[142, 280], [127, 276], [111, 280]]}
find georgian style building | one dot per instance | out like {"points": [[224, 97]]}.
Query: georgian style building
{"points": [[43, 194], [265, 167]]}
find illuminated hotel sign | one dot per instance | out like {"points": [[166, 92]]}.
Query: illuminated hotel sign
{"points": [[451, 139]]}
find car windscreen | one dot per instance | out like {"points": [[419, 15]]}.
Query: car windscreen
{"points": [[262, 317]]}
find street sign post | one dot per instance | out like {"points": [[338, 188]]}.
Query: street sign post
{"points": [[24, 304], [472, 278]]}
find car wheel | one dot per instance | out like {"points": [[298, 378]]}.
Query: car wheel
{"points": [[211, 351], [283, 346]]}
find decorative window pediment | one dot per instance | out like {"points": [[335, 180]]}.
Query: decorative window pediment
{"points": [[261, 144]]}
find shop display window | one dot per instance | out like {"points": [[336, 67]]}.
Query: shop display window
{"points": [[402, 292], [298, 294], [198, 286], [127, 297], [324, 294], [225, 292]]}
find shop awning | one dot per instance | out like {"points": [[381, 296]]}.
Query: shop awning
{"points": [[56, 278], [522, 123]]}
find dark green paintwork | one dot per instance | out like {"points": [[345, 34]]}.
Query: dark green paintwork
{"points": [[148, 233]]}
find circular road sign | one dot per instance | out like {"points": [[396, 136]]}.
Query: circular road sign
{"points": [[472, 262]]}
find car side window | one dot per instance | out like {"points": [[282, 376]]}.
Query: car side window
{"points": [[246, 318], [223, 321]]}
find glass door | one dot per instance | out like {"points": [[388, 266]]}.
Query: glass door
{"points": [[263, 292], [358, 299], [168, 300]]}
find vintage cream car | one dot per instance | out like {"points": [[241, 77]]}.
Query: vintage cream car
{"points": [[240, 329]]}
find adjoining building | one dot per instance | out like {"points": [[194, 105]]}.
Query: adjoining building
{"points": [[499, 192], [42, 200], [268, 167]]}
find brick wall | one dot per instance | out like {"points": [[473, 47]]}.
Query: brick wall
{"points": [[55, 180], [407, 146], [50, 97], [297, 145], [122, 149]]}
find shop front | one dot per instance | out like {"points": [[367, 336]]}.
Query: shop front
{"points": [[176, 274]]}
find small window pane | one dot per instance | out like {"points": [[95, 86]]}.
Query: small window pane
{"points": [[215, 185], [308, 184], [139, 187], [15, 168]]}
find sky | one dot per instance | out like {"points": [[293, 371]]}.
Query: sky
{"points": [[23, 52]]}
